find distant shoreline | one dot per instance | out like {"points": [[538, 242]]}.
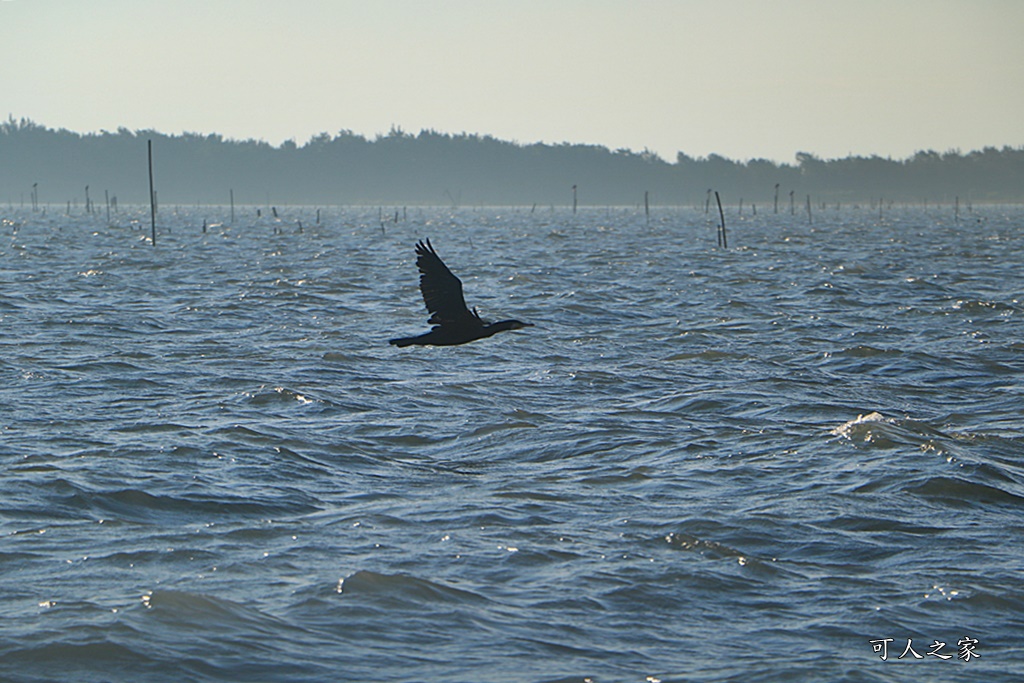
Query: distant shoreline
{"points": [[47, 166]]}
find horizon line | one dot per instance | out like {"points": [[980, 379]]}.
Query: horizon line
{"points": [[397, 131]]}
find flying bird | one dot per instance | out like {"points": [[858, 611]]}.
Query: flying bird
{"points": [[453, 322]]}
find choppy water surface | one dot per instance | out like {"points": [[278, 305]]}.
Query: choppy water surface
{"points": [[702, 464]]}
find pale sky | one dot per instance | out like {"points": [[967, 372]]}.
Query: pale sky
{"points": [[741, 78]]}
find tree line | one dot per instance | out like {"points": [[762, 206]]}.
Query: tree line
{"points": [[41, 165]]}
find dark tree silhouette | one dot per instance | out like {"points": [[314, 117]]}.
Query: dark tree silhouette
{"points": [[441, 168]]}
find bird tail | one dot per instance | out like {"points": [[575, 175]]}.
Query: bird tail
{"points": [[402, 341]]}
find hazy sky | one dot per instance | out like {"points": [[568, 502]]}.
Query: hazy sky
{"points": [[740, 78]]}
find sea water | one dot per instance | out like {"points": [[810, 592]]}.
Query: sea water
{"points": [[797, 458]]}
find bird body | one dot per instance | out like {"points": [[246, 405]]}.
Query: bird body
{"points": [[449, 336], [454, 323]]}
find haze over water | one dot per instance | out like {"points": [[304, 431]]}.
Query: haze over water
{"points": [[702, 464]]}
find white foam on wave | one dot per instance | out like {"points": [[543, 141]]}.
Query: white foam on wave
{"points": [[847, 429]]}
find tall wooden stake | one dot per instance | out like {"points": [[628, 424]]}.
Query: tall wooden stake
{"points": [[152, 195], [722, 239]]}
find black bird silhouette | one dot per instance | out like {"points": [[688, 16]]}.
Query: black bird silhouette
{"points": [[453, 322]]}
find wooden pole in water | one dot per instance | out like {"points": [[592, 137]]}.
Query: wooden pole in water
{"points": [[574, 199], [810, 218], [723, 241], [152, 194], [776, 197], [647, 206], [956, 210], [232, 191]]}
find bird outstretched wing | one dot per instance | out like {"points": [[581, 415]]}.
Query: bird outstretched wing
{"points": [[441, 289]]}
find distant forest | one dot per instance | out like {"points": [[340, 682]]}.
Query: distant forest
{"points": [[46, 166]]}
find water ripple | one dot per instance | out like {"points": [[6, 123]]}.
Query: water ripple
{"points": [[701, 464]]}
